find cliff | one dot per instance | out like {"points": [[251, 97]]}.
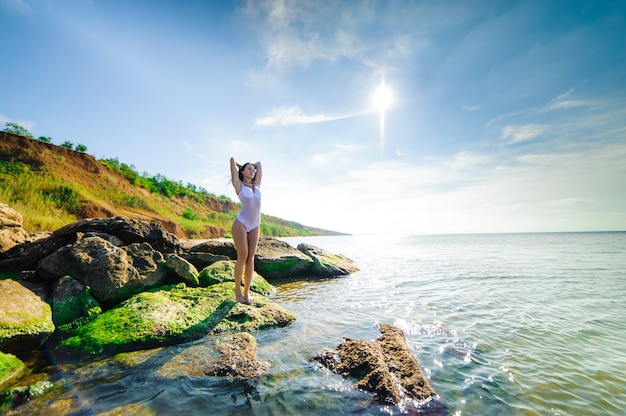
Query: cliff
{"points": [[53, 186]]}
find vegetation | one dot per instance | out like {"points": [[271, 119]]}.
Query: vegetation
{"points": [[51, 189], [15, 128]]}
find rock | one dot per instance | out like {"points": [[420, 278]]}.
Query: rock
{"points": [[386, 367], [10, 368], [172, 315], [17, 396], [11, 231], [119, 231], [326, 263], [149, 263], [108, 270], [72, 304], [129, 230], [25, 320], [232, 356], [220, 247], [183, 269], [202, 260], [277, 258], [27, 255], [224, 271]]}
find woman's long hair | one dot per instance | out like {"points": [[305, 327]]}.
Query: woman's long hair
{"points": [[241, 171]]}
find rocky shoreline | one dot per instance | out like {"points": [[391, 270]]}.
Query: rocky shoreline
{"points": [[118, 289]]}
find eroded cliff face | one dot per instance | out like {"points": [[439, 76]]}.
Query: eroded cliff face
{"points": [[71, 167]]}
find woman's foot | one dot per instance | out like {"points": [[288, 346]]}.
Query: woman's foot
{"points": [[240, 298], [249, 300]]}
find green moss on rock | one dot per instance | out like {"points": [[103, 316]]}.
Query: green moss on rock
{"points": [[10, 367], [73, 311], [224, 271], [171, 315]]}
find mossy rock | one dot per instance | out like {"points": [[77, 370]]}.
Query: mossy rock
{"points": [[224, 271], [10, 367], [25, 319], [17, 396], [171, 315], [72, 304]]}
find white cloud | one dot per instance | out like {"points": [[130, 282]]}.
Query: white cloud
{"points": [[28, 125], [554, 192], [523, 133], [288, 116], [471, 107]]}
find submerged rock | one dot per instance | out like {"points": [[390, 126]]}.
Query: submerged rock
{"points": [[387, 367], [232, 356]]}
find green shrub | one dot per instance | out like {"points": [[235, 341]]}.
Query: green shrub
{"points": [[188, 214], [15, 128]]}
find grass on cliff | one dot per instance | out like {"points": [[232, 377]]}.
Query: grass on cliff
{"points": [[33, 185]]}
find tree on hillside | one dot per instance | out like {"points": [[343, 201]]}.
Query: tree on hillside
{"points": [[81, 148], [44, 139], [67, 144], [15, 128]]}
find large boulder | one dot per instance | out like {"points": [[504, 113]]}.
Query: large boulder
{"points": [[25, 319], [11, 231], [387, 367], [26, 256], [129, 230], [328, 264], [219, 247], [201, 260], [150, 264], [108, 270], [172, 315], [277, 258]]}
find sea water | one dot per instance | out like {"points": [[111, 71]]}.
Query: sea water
{"points": [[501, 324]]}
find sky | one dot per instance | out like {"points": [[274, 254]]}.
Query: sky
{"points": [[494, 116]]}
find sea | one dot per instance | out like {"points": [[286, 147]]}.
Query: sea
{"points": [[501, 324]]}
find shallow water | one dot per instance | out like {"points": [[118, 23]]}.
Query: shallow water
{"points": [[516, 324]]}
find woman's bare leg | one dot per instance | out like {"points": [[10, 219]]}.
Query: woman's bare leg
{"points": [[253, 242], [240, 238]]}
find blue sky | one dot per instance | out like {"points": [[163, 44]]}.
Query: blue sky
{"points": [[505, 116]]}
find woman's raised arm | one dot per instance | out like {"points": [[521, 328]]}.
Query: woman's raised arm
{"points": [[259, 173], [234, 175]]}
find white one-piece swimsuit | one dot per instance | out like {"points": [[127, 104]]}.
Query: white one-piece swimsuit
{"points": [[250, 214]]}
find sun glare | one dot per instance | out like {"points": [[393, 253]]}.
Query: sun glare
{"points": [[382, 98]]}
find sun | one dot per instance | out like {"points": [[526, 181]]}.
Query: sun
{"points": [[382, 97]]}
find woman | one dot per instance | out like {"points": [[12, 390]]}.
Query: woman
{"points": [[246, 180]]}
